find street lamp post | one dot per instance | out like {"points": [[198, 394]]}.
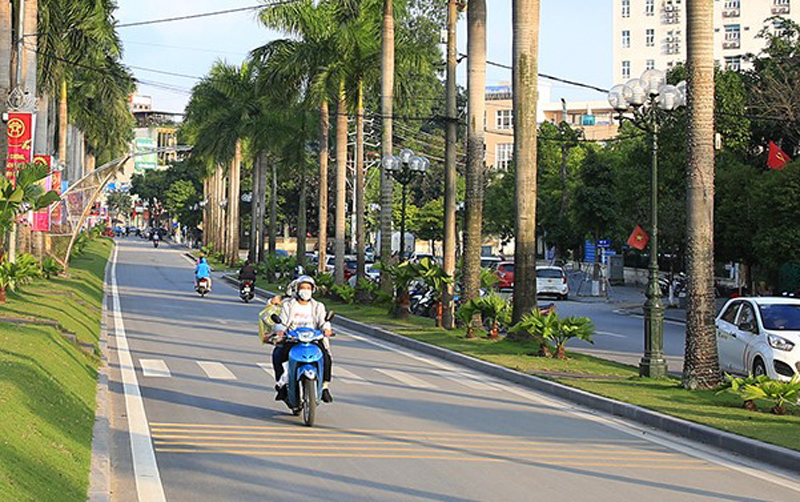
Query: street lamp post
{"points": [[403, 169], [646, 99]]}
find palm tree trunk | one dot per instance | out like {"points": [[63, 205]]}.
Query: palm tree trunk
{"points": [[262, 212], [341, 183], [221, 214], [359, 189], [446, 306], [234, 203], [302, 227], [206, 193], [273, 210], [252, 251], [701, 362], [476, 74], [62, 124], [526, 66], [387, 110], [324, 131]]}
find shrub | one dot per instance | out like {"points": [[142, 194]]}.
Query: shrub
{"points": [[324, 284], [344, 293], [492, 308], [548, 328], [488, 278], [402, 276], [780, 393], [367, 290], [81, 241], [28, 268], [50, 267]]}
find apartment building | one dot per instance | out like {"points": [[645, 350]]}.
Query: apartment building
{"points": [[652, 33]]}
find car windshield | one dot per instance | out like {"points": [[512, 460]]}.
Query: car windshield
{"points": [[508, 267], [781, 317], [548, 273]]}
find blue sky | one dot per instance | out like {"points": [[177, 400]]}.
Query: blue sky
{"points": [[575, 43]]}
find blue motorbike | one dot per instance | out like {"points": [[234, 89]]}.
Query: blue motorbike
{"points": [[306, 367]]}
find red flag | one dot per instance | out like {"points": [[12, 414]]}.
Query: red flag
{"points": [[639, 238], [777, 158]]}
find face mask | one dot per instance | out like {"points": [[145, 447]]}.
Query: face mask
{"points": [[304, 294]]}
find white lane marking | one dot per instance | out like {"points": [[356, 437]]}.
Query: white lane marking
{"points": [[145, 467], [216, 371], [696, 450], [154, 368], [406, 379], [612, 335], [346, 376], [464, 379]]}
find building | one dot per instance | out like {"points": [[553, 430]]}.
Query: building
{"points": [[652, 33], [594, 118]]}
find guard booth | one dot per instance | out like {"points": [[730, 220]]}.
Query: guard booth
{"points": [[616, 269]]}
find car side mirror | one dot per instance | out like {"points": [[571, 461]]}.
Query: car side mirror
{"points": [[330, 315], [276, 318], [747, 326]]}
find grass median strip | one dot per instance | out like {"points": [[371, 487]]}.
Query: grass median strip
{"points": [[593, 374], [48, 384]]}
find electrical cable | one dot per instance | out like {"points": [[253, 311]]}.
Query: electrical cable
{"points": [[205, 14]]}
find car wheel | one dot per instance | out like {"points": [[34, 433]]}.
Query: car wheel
{"points": [[759, 368]]}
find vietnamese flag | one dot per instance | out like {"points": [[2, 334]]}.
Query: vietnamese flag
{"points": [[777, 158], [639, 238]]}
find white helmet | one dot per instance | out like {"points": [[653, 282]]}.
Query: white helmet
{"points": [[305, 279]]}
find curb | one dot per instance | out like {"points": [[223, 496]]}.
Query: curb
{"points": [[777, 456], [100, 468]]}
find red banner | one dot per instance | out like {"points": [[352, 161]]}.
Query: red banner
{"points": [[41, 218], [20, 135]]}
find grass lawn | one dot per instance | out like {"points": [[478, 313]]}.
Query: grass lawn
{"points": [[595, 375], [47, 383]]}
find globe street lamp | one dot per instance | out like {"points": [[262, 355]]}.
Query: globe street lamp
{"points": [[643, 102], [403, 169]]}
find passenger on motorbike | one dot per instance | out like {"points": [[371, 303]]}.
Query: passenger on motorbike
{"points": [[301, 311], [202, 271]]}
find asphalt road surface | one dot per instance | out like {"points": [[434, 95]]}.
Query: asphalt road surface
{"points": [[194, 419]]}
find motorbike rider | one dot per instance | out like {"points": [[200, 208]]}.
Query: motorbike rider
{"points": [[202, 271], [247, 273], [302, 311]]}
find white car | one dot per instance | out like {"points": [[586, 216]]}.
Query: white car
{"points": [[552, 281], [760, 336], [373, 274]]}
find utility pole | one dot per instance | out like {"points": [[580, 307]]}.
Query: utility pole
{"points": [[387, 109], [450, 173], [18, 84]]}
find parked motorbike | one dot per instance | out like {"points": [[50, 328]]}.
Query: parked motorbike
{"points": [[246, 291], [305, 370], [203, 287]]}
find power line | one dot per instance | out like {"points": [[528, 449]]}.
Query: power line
{"points": [[181, 47], [163, 72], [205, 14]]}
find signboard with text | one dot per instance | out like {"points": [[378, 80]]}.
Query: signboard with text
{"points": [[146, 158], [20, 139]]}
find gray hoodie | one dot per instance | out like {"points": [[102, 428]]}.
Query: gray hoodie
{"points": [[317, 311]]}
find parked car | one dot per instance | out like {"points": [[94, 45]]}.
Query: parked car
{"points": [[505, 272], [552, 281], [372, 273], [760, 335]]}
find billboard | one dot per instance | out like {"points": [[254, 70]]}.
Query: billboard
{"points": [[146, 157]]}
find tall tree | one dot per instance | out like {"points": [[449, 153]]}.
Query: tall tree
{"points": [[701, 362], [450, 173], [340, 219], [387, 110], [476, 82], [525, 76]]}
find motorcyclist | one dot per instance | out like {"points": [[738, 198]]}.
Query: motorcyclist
{"points": [[302, 311], [247, 273], [202, 271]]}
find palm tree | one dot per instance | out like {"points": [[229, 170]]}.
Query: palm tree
{"points": [[221, 113], [476, 71], [341, 183], [526, 59], [387, 110], [701, 363]]}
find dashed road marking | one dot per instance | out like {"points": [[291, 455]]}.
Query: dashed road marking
{"points": [[216, 371], [154, 368], [407, 379]]}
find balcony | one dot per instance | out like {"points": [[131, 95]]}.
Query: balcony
{"points": [[731, 13], [780, 9], [731, 44]]}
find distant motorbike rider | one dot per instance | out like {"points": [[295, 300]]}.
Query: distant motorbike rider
{"points": [[202, 271], [247, 274], [302, 311]]}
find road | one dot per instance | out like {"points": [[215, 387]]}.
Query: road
{"points": [[193, 418]]}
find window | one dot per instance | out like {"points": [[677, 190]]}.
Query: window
{"points": [[504, 119], [626, 8], [733, 63], [748, 316], [626, 70], [504, 155], [782, 3], [781, 317], [626, 39], [650, 64], [732, 32], [731, 4], [650, 37], [650, 7], [730, 313]]}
